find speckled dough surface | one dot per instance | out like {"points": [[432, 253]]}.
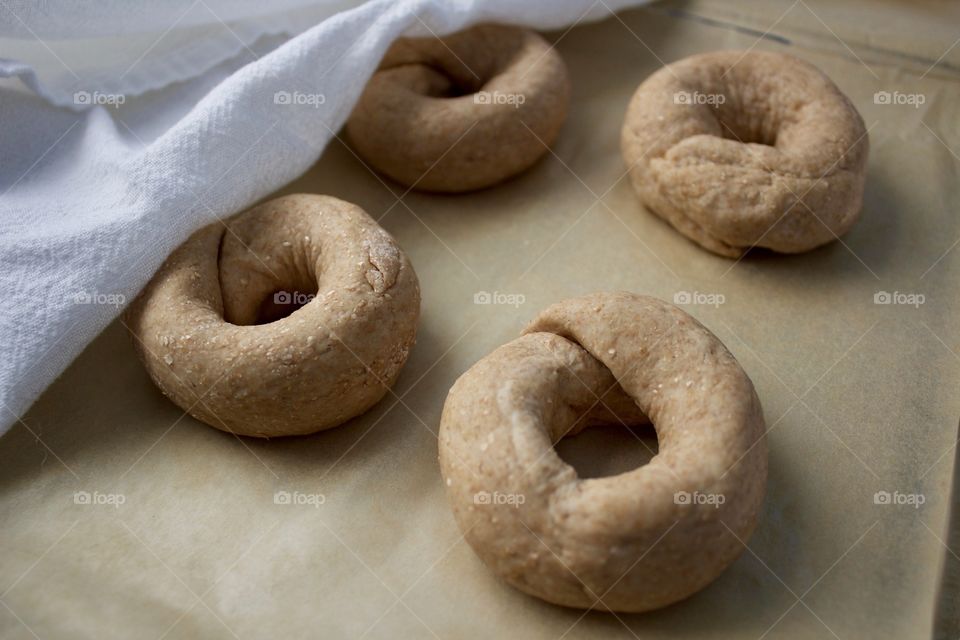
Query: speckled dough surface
{"points": [[739, 149], [327, 361], [462, 112], [632, 542]]}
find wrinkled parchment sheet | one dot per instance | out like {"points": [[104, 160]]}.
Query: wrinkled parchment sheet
{"points": [[185, 536]]}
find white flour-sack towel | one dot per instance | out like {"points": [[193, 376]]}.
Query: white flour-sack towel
{"points": [[128, 125]]}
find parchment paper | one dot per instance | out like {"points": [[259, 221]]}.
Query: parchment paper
{"points": [[190, 532]]}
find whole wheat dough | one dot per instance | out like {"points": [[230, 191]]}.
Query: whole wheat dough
{"points": [[213, 332], [632, 542], [463, 112], [742, 149]]}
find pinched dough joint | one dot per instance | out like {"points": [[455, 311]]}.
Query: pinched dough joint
{"points": [[632, 542], [747, 149], [462, 112], [231, 331]]}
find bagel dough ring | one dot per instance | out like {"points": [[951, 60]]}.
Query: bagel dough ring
{"points": [[742, 149], [333, 358], [462, 112], [630, 542]]}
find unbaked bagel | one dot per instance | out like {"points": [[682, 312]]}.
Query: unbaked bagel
{"points": [[213, 332], [632, 542], [742, 149], [462, 112]]}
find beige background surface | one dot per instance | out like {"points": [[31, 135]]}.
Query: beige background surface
{"points": [[859, 397]]}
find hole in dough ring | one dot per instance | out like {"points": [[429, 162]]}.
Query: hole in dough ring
{"points": [[326, 362], [632, 542], [463, 112], [741, 149]]}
